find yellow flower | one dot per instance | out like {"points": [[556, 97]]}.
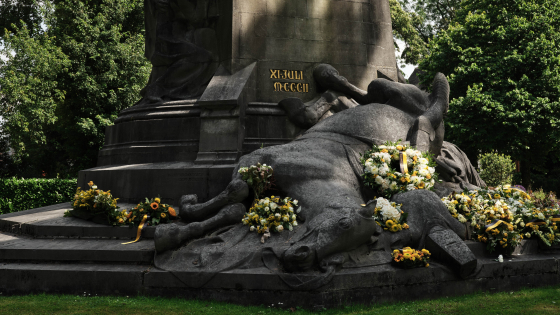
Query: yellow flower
{"points": [[163, 215], [405, 226], [426, 252], [428, 176], [90, 183], [497, 196], [400, 147], [121, 220], [394, 228], [421, 185], [389, 223], [157, 200]]}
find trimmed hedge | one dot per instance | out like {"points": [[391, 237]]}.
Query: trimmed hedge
{"points": [[23, 194]]}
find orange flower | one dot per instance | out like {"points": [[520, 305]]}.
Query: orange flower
{"points": [[172, 212], [129, 214], [154, 205]]}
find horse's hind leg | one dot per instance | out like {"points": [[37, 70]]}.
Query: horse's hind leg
{"points": [[171, 236], [235, 192], [446, 245]]}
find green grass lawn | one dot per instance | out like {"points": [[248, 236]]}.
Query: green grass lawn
{"points": [[529, 301]]}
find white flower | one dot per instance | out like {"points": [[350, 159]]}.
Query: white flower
{"points": [[279, 228], [527, 235], [386, 184], [285, 218], [374, 170], [393, 186], [266, 209], [252, 228], [293, 217], [541, 216], [277, 215], [410, 187], [263, 221], [379, 180], [501, 258], [294, 223], [290, 209], [461, 218], [423, 161], [273, 206], [295, 202], [290, 227]]}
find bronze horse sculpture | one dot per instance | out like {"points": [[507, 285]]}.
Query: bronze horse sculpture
{"points": [[321, 169]]}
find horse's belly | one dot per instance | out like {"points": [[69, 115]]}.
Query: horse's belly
{"points": [[377, 122]]}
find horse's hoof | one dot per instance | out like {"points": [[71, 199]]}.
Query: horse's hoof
{"points": [[188, 200], [166, 237]]}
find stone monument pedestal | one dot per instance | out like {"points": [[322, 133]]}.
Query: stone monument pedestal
{"points": [[266, 51]]}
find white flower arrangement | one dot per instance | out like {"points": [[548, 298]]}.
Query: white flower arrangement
{"points": [[272, 214], [389, 215], [383, 173]]}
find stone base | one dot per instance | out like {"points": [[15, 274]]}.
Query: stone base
{"points": [[171, 180], [80, 257]]}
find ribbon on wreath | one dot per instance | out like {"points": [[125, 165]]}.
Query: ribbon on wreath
{"points": [[403, 163], [535, 222], [140, 228], [495, 224]]}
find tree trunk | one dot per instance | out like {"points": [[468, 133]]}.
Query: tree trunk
{"points": [[526, 174]]}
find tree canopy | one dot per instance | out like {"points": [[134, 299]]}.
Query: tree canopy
{"points": [[502, 60], [62, 84]]}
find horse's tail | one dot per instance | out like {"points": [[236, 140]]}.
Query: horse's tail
{"points": [[439, 100]]}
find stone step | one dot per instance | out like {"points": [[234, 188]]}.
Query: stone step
{"points": [[64, 278], [23, 248], [49, 222]]}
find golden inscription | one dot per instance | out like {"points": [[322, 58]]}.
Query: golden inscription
{"points": [[294, 87], [291, 87], [286, 74]]}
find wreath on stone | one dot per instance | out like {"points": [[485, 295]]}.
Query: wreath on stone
{"points": [[396, 167]]}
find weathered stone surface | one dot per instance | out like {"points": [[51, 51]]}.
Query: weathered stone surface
{"points": [[25, 248], [48, 222], [446, 246], [179, 120]]}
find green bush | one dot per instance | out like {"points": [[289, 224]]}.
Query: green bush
{"points": [[23, 194], [495, 169]]}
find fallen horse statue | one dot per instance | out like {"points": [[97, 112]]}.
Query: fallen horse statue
{"points": [[322, 170]]}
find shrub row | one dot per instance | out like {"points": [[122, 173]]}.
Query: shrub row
{"points": [[23, 194]]}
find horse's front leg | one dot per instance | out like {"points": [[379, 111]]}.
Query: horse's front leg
{"points": [[235, 192], [171, 236]]}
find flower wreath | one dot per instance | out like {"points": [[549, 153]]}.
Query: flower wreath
{"points": [[502, 217], [396, 167]]}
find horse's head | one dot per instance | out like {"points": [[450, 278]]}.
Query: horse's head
{"points": [[337, 229]]}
